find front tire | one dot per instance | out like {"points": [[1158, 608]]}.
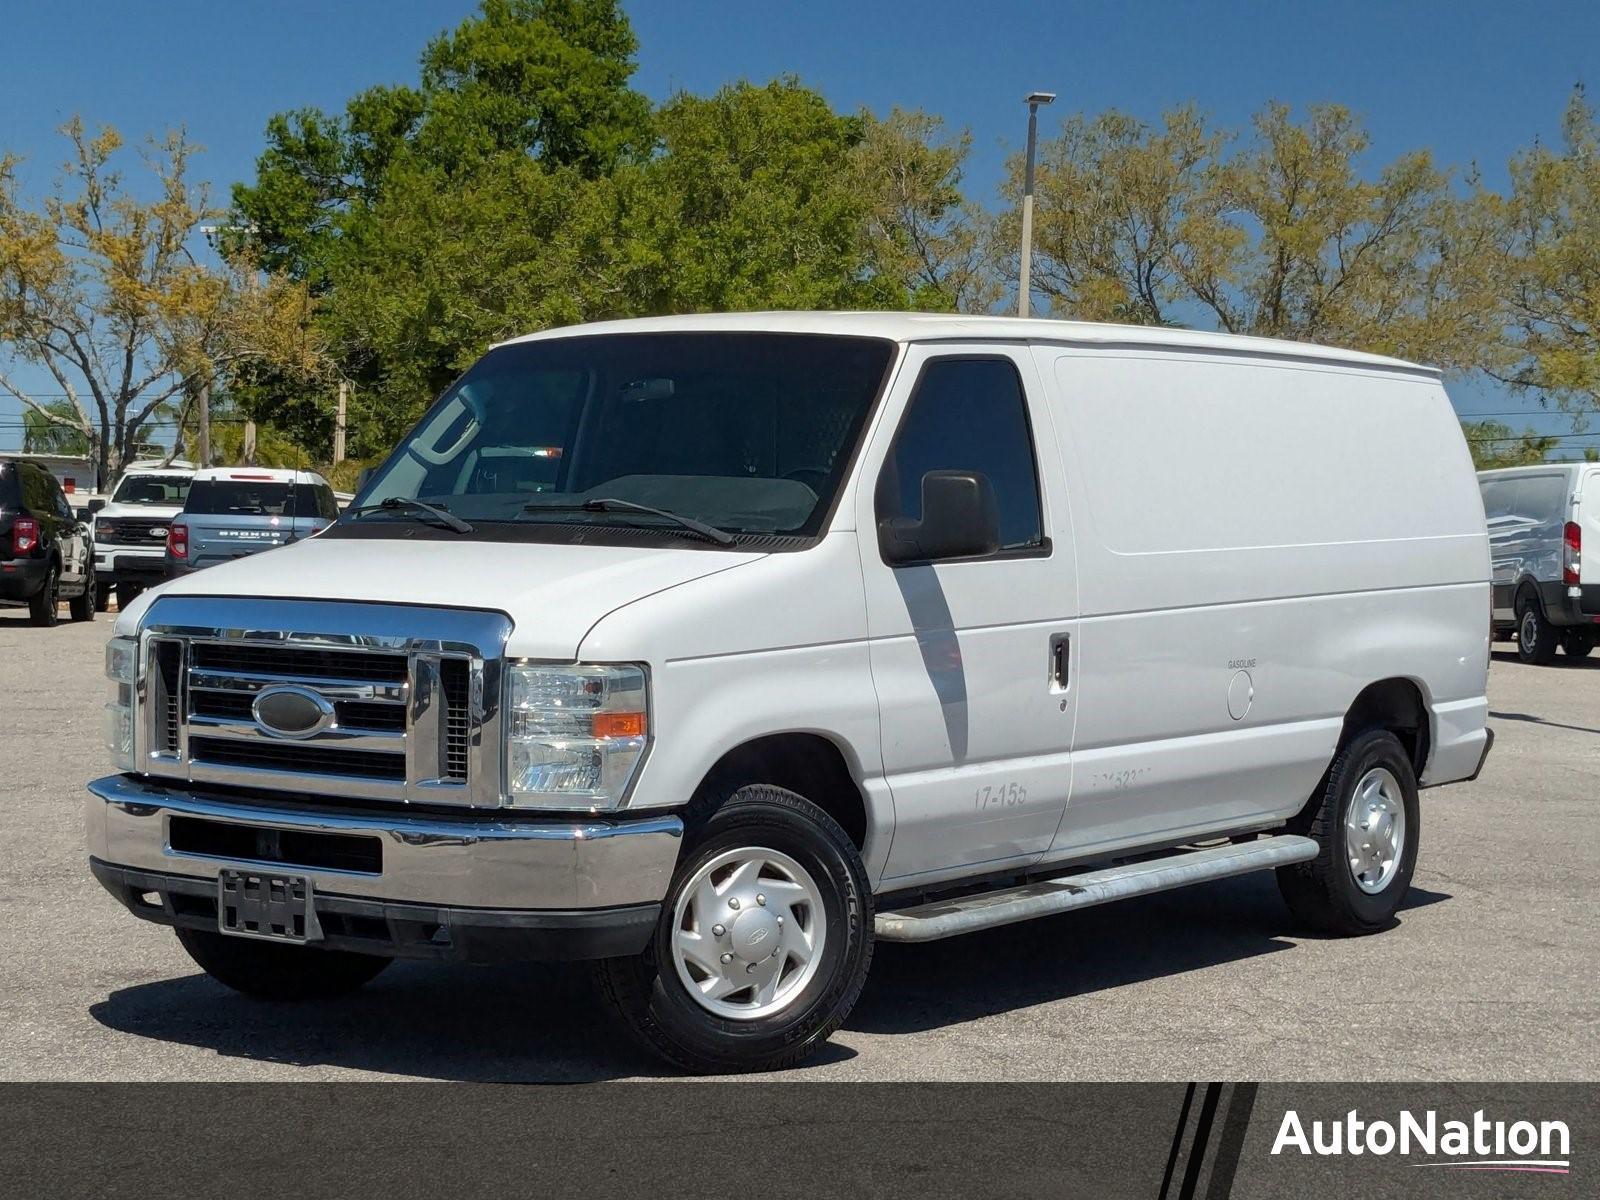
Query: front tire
{"points": [[1366, 822], [272, 971], [1576, 643], [82, 607], [127, 593], [1536, 637], [102, 597], [42, 609], [765, 869]]}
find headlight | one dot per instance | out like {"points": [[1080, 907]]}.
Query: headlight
{"points": [[122, 671], [574, 734]]}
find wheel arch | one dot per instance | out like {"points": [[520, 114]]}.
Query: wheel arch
{"points": [[805, 762], [1400, 705]]}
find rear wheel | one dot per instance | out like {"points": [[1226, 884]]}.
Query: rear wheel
{"points": [[1536, 637], [42, 608], [271, 971], [763, 945], [82, 606], [1366, 822], [1576, 643]]}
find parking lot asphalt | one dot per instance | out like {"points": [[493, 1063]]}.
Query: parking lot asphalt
{"points": [[1489, 974]]}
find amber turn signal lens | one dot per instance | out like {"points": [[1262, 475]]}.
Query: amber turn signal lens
{"points": [[618, 724]]}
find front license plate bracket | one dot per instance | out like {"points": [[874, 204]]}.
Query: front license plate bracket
{"points": [[274, 908]]}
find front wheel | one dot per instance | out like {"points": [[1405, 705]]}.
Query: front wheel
{"points": [[82, 607], [271, 971], [1366, 822], [1576, 643], [763, 944]]}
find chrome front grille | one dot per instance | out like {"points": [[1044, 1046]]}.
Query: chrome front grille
{"points": [[413, 712]]}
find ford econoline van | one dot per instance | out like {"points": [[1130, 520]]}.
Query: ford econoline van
{"points": [[715, 648], [1539, 518]]}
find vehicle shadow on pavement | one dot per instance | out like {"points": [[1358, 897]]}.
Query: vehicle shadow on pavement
{"points": [[545, 1023], [1533, 720], [919, 987], [540, 1023]]}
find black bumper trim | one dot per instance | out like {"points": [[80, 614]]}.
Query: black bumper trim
{"points": [[1488, 745], [396, 929]]}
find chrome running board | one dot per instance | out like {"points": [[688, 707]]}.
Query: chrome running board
{"points": [[946, 918]]}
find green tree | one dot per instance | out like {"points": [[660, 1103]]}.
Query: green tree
{"points": [[103, 291], [50, 429], [923, 238], [434, 219], [1116, 203], [749, 204], [1552, 245], [1278, 233], [1494, 445], [540, 79]]}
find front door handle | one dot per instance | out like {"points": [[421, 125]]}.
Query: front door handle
{"points": [[1060, 660]]}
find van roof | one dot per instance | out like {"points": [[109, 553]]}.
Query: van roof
{"points": [[934, 327], [259, 475], [1544, 468], [154, 466]]}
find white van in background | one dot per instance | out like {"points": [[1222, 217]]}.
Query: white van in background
{"points": [[1539, 520], [812, 629]]}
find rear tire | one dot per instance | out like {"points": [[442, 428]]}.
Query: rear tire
{"points": [[1576, 643], [1537, 639], [42, 609], [269, 971], [1368, 800], [82, 607], [706, 1018]]}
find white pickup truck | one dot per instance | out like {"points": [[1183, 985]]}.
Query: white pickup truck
{"points": [[714, 648]]}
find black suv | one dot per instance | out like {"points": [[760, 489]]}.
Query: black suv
{"points": [[46, 552]]}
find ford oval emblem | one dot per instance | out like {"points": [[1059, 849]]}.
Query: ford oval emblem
{"points": [[291, 712]]}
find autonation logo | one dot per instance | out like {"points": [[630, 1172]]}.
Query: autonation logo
{"points": [[1478, 1144]]}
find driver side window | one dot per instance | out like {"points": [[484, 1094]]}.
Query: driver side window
{"points": [[968, 414]]}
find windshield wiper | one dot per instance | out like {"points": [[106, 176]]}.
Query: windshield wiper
{"points": [[608, 504], [406, 504]]}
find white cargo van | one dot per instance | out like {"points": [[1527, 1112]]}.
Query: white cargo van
{"points": [[1543, 590], [811, 629]]}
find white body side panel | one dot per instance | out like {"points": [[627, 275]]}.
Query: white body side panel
{"points": [[1257, 542]]}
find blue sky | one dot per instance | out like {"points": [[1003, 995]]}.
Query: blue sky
{"points": [[1472, 80]]}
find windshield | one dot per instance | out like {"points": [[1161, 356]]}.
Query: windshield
{"points": [[748, 432], [169, 490], [216, 496]]}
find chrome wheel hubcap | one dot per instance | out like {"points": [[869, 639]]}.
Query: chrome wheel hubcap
{"points": [[1375, 830], [747, 933], [1529, 633]]}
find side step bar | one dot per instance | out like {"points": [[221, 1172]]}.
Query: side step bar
{"points": [[946, 918]]}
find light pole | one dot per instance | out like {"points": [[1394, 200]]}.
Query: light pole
{"points": [[1025, 285]]}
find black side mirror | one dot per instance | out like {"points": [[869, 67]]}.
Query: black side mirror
{"points": [[95, 506], [960, 519]]}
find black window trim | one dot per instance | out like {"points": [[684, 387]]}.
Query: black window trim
{"points": [[1045, 547]]}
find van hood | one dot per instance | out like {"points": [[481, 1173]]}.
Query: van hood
{"points": [[553, 594]]}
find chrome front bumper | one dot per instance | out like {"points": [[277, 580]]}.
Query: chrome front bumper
{"points": [[481, 860]]}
